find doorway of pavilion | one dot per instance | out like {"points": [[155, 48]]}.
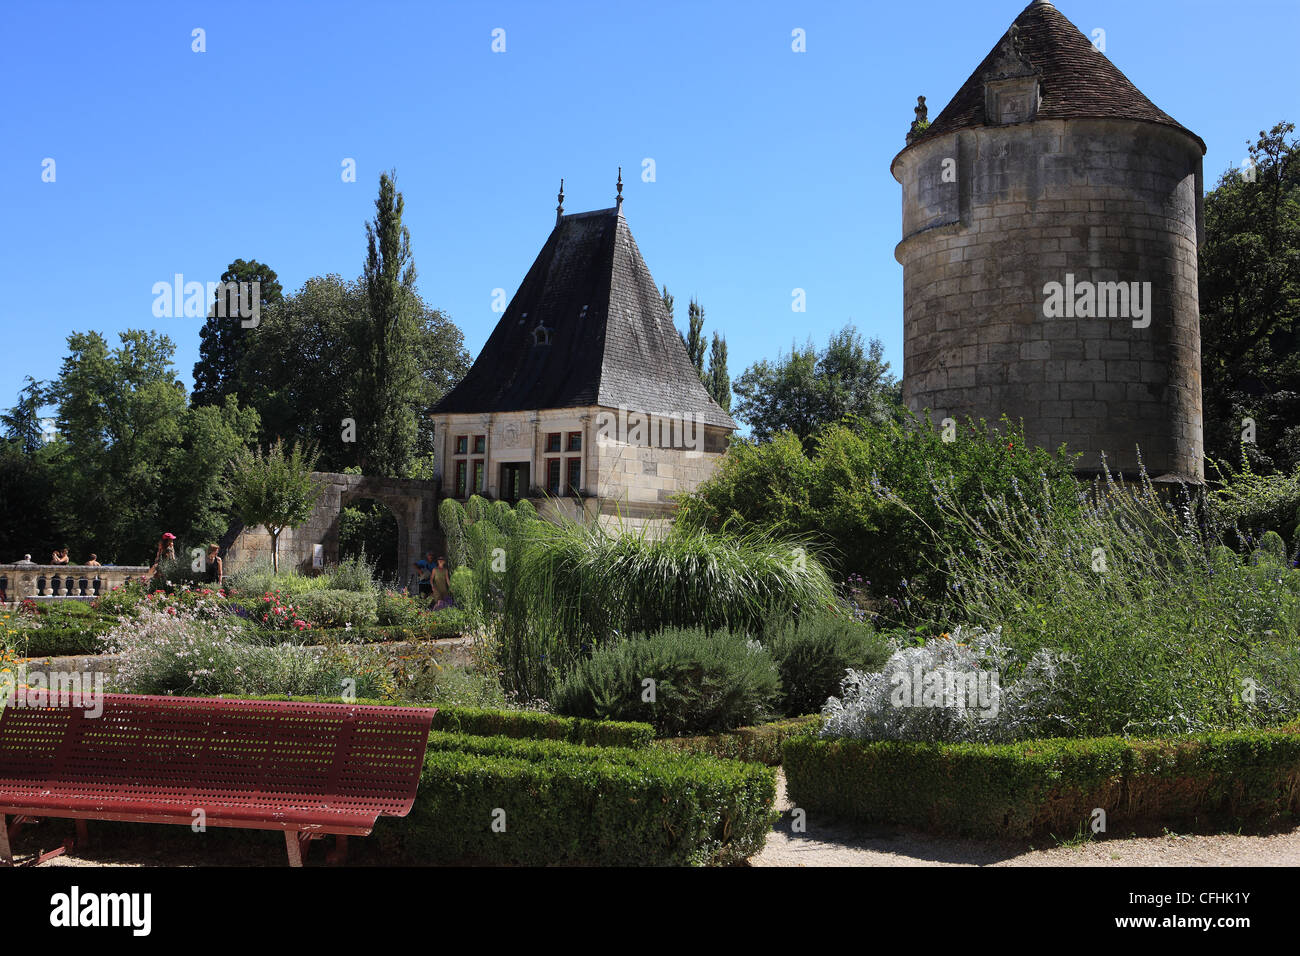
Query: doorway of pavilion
{"points": [[514, 480]]}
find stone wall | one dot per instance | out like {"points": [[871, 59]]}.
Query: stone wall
{"points": [[413, 503], [1024, 205]]}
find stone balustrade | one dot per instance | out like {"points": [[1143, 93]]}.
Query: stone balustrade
{"points": [[63, 581]]}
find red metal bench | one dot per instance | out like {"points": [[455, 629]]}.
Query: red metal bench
{"points": [[307, 769]]}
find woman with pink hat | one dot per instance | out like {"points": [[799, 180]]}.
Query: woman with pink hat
{"points": [[166, 549]]}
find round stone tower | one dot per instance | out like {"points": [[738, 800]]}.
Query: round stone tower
{"points": [[1051, 215]]}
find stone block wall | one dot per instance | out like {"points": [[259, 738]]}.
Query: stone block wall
{"points": [[990, 217]]}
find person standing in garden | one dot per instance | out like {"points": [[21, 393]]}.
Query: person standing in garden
{"points": [[214, 566], [440, 584], [166, 550], [423, 568]]}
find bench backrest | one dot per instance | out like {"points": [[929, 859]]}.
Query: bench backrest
{"points": [[365, 758]]}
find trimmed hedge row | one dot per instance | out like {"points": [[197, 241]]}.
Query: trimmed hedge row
{"points": [[565, 804], [1051, 787], [62, 640], [517, 724], [481, 722], [761, 744]]}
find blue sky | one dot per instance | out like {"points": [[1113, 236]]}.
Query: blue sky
{"points": [[771, 166]]}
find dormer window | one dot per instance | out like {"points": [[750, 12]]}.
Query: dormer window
{"points": [[1011, 90], [541, 335]]}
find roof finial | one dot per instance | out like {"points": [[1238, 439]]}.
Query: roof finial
{"points": [[559, 210], [618, 204]]}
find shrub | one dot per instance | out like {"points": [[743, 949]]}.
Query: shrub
{"points": [[337, 608], [951, 689], [573, 587], [1163, 634], [532, 725], [702, 683], [259, 578], [1043, 787], [182, 651], [123, 599], [813, 655], [866, 492], [761, 744], [392, 607], [518, 724], [566, 804], [1246, 503], [354, 573]]}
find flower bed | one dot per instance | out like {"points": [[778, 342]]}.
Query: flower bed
{"points": [[1051, 787]]}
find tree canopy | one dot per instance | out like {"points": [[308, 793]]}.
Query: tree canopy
{"points": [[806, 389], [1250, 307]]}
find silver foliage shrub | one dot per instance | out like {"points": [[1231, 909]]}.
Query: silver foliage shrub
{"points": [[925, 694]]}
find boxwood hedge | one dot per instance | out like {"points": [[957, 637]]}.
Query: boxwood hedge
{"points": [[761, 743], [505, 801], [1043, 787], [519, 724]]}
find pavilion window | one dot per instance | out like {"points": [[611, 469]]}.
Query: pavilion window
{"points": [[553, 477], [573, 477], [552, 442], [462, 468], [478, 476], [462, 444], [480, 444], [575, 442]]}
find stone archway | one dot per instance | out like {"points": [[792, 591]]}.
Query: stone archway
{"points": [[414, 504]]}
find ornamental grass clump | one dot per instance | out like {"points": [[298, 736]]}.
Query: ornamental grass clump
{"points": [[574, 587]]}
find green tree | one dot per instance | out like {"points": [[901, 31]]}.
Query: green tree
{"points": [[22, 423], [388, 375], [301, 370], [717, 380], [1250, 307], [29, 520], [223, 339], [694, 337], [132, 458], [119, 415], [274, 489], [668, 303], [804, 390]]}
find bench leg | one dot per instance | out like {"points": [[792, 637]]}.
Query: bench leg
{"points": [[296, 841], [340, 852], [83, 834], [6, 854]]}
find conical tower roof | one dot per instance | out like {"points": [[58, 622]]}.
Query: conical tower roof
{"points": [[1076, 81], [586, 327]]}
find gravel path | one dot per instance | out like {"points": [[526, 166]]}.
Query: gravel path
{"points": [[159, 846], [843, 846]]}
